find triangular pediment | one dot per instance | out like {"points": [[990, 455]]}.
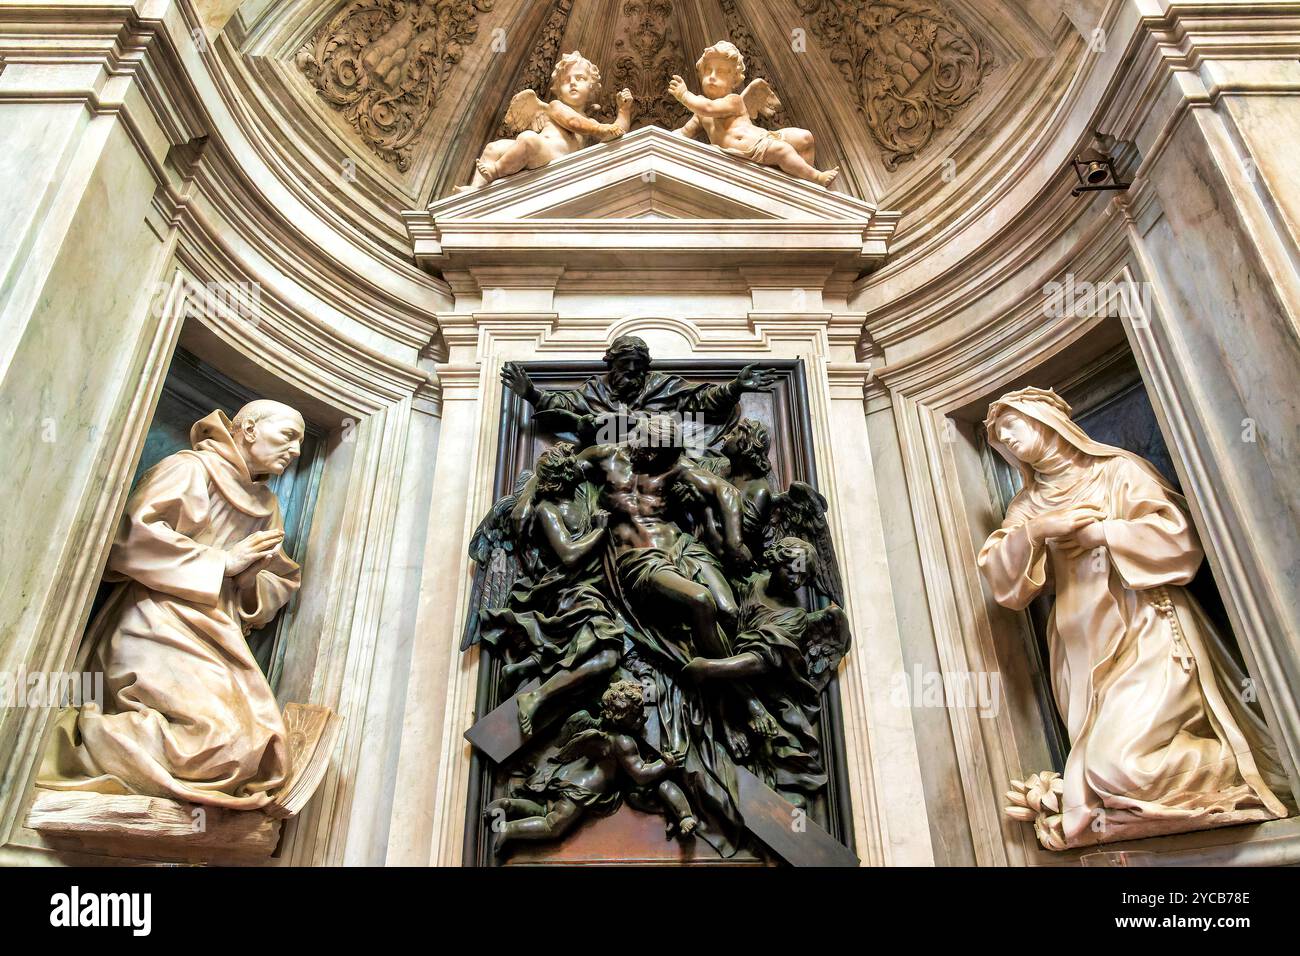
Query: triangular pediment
{"points": [[654, 195], [662, 197]]}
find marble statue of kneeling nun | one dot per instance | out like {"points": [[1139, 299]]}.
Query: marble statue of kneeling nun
{"points": [[1161, 739]]}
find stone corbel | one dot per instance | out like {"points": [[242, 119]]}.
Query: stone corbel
{"points": [[875, 238], [426, 240], [506, 289], [786, 290]]}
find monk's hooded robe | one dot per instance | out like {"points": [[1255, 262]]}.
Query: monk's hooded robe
{"points": [[1160, 737], [187, 712]]}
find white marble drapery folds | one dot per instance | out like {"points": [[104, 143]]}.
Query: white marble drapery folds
{"points": [[1161, 737], [188, 713]]}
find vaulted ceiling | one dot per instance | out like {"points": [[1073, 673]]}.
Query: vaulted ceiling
{"points": [[399, 96]]}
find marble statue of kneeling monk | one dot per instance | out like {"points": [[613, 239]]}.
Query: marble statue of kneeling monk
{"points": [[198, 563]]}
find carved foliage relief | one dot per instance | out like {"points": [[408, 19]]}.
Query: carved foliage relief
{"points": [[383, 64], [911, 65], [646, 57]]}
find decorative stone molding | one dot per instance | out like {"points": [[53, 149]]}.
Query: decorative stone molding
{"points": [[647, 56], [656, 197], [384, 65], [911, 66]]}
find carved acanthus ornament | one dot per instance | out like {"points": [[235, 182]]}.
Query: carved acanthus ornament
{"points": [[911, 65], [646, 58], [537, 72], [384, 63]]}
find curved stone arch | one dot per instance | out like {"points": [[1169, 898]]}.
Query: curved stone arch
{"points": [[662, 328]]}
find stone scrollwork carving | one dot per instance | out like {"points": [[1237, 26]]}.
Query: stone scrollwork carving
{"points": [[384, 63], [911, 64], [647, 58]]}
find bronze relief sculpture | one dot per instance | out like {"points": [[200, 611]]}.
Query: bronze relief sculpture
{"points": [[654, 602]]}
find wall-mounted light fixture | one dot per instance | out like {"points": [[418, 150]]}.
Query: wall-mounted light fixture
{"points": [[1095, 171]]}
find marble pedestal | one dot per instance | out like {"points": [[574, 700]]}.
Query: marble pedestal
{"points": [[152, 828]]}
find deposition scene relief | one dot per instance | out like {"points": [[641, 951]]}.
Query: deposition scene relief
{"points": [[662, 612]]}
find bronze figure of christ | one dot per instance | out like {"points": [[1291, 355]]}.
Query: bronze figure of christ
{"points": [[657, 563]]}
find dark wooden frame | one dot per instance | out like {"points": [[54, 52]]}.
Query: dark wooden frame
{"points": [[792, 456]]}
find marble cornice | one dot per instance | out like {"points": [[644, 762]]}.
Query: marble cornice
{"points": [[294, 341], [848, 380], [459, 381], [548, 333], [1190, 56], [363, 297], [1193, 32], [1017, 331], [896, 320], [310, 162], [573, 213]]}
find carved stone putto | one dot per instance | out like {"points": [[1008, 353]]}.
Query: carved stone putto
{"points": [[911, 65], [546, 52], [542, 132], [726, 116], [739, 33], [384, 65]]}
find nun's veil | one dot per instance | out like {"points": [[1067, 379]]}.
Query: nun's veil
{"points": [[1049, 409]]}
